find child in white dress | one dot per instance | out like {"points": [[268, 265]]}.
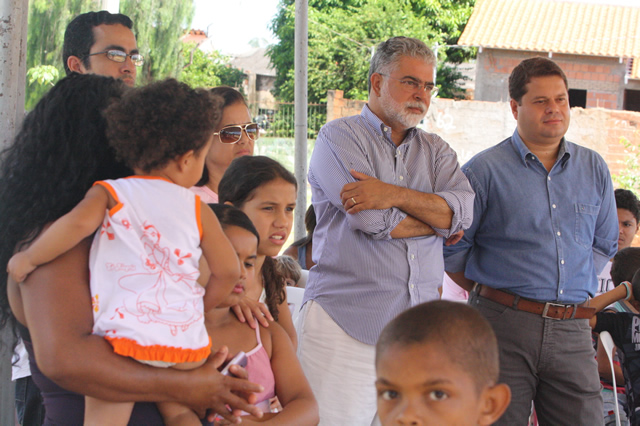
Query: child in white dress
{"points": [[148, 301]]}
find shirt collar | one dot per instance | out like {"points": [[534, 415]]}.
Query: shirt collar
{"points": [[380, 127], [564, 153]]}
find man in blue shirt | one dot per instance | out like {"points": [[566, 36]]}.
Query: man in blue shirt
{"points": [[544, 225], [385, 195]]}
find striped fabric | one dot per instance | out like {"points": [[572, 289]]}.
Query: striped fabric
{"points": [[363, 277]]}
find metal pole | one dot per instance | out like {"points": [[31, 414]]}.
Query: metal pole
{"points": [[300, 101], [13, 48]]}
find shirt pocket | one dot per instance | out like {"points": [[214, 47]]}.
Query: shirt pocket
{"points": [[586, 216]]}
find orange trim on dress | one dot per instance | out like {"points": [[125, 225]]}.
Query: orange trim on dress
{"points": [[198, 216], [113, 210], [131, 348]]}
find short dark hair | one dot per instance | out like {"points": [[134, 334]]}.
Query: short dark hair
{"points": [[625, 263], [232, 216], [528, 69], [627, 200], [460, 330], [154, 124], [78, 37], [389, 52]]}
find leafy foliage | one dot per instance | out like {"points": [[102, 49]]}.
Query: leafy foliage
{"points": [[158, 25], [629, 178], [343, 34], [208, 70]]}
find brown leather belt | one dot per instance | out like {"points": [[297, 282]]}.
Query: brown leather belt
{"points": [[546, 310]]}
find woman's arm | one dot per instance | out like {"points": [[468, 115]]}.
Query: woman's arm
{"points": [[64, 234], [57, 308], [292, 388], [286, 322]]}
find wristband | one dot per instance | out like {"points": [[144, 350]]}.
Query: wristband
{"points": [[627, 286]]}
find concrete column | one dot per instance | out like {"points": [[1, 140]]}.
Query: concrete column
{"points": [[13, 48]]}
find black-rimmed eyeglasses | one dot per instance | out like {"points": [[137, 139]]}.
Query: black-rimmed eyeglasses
{"points": [[119, 56]]}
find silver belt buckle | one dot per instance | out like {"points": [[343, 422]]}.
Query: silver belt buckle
{"points": [[546, 309]]}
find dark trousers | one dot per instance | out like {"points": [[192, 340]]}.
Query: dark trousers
{"points": [[547, 361], [29, 406]]}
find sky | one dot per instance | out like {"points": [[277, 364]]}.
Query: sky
{"points": [[234, 23]]}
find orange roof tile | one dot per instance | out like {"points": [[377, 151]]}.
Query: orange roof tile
{"points": [[556, 26]]}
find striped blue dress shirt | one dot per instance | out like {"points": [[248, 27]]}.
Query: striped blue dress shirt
{"points": [[363, 278], [542, 235]]}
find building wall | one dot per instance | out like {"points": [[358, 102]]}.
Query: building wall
{"points": [[602, 77], [472, 126]]}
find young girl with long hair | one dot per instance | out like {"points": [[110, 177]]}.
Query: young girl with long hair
{"points": [[271, 359], [266, 191]]}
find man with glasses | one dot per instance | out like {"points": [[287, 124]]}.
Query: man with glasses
{"points": [[102, 43], [386, 195]]}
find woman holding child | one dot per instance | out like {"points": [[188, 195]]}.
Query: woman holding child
{"points": [[60, 151]]}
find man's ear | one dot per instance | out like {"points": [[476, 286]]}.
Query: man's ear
{"points": [[75, 64], [494, 402], [514, 108], [376, 83]]}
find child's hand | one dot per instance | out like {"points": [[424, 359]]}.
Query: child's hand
{"points": [[20, 266]]}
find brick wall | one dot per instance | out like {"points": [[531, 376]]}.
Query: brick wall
{"points": [[601, 77]]}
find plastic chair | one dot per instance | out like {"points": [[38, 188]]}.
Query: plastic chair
{"points": [[608, 345], [294, 299]]}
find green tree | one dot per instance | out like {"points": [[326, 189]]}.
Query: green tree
{"points": [[158, 25], [343, 34], [208, 70], [45, 34]]}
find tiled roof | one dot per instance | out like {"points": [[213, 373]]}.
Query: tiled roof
{"points": [[556, 26]]}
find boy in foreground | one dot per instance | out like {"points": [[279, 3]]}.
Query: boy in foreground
{"points": [[437, 363]]}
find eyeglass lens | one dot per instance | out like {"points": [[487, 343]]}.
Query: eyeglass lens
{"points": [[232, 134], [120, 56]]}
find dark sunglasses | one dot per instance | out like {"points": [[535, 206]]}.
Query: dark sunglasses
{"points": [[120, 56], [232, 134]]}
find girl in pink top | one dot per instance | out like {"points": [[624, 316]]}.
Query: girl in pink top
{"points": [[272, 361], [147, 298]]}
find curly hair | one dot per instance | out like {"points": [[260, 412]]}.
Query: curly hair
{"points": [[154, 124], [237, 186], [627, 200], [60, 150]]}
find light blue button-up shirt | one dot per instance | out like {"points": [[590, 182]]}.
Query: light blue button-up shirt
{"points": [[542, 235], [363, 278]]}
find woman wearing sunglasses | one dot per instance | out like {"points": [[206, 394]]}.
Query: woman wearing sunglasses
{"points": [[233, 138]]}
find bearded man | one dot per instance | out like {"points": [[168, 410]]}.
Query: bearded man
{"points": [[385, 194]]}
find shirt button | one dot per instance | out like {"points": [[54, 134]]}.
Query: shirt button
{"points": [[413, 256], [548, 177], [385, 129], [553, 205], [561, 291], [558, 233], [562, 261], [412, 286], [401, 177]]}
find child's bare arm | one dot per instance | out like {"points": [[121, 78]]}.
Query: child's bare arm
{"points": [[605, 299], [64, 234], [221, 256]]}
